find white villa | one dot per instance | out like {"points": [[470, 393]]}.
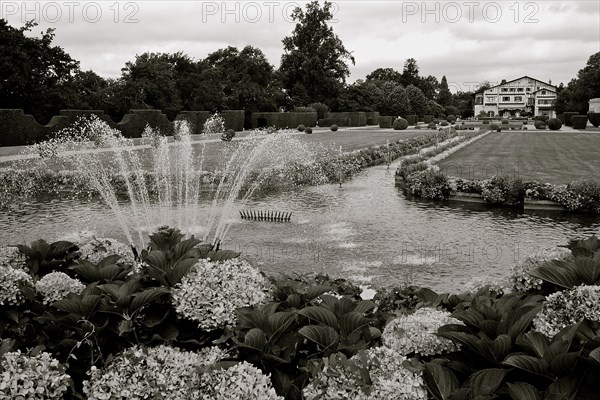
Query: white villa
{"points": [[524, 96]]}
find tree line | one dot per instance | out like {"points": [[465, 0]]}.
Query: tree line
{"points": [[42, 78]]}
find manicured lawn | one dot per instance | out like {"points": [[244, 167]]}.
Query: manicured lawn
{"points": [[349, 139], [554, 157]]}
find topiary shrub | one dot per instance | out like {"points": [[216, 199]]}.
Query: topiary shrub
{"points": [[334, 128], [428, 118], [451, 118], [594, 119], [444, 123], [308, 130], [400, 124], [301, 128], [539, 124], [228, 135], [386, 121], [579, 121], [412, 119], [561, 117], [432, 125], [568, 116], [504, 122], [554, 124]]}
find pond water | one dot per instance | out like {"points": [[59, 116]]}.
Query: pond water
{"points": [[367, 231]]}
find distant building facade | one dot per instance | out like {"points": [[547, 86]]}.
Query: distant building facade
{"points": [[524, 96]]}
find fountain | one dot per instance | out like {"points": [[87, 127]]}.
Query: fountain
{"points": [[161, 182]]}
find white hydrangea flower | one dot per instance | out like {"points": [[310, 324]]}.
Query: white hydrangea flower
{"points": [[10, 280], [151, 373], [520, 280], [57, 285], [32, 377], [390, 379], [80, 238], [212, 291], [243, 381], [99, 248], [416, 333], [568, 307], [10, 256], [478, 282]]}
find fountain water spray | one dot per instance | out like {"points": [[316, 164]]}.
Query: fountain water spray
{"points": [[165, 183]]}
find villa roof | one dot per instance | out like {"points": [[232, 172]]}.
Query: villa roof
{"points": [[524, 76]]}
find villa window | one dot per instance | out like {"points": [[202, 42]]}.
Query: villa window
{"points": [[512, 89], [543, 92], [518, 98], [519, 89], [529, 89], [504, 89], [506, 98]]}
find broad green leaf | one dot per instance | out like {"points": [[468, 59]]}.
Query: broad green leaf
{"points": [[146, 297], [255, 339], [222, 255], [324, 336], [521, 319], [313, 292], [364, 306], [558, 273], [125, 326], [595, 354], [321, 315], [523, 391], [501, 346], [351, 322], [487, 381], [183, 248], [179, 270], [588, 270], [535, 342], [279, 323], [564, 364], [528, 363], [294, 300], [563, 389], [440, 381]]}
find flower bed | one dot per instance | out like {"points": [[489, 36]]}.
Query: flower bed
{"points": [[115, 331]]}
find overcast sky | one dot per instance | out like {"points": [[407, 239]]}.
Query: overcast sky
{"points": [[468, 41]]}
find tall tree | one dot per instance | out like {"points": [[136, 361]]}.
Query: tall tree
{"points": [[587, 85], [417, 99], [385, 74], [314, 63], [33, 72], [399, 103], [410, 73], [429, 86], [444, 96], [361, 96]]}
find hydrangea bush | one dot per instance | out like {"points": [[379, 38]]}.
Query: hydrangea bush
{"points": [[520, 279], [340, 378], [11, 281], [416, 333], [151, 373], [99, 248], [12, 257], [57, 285], [37, 376], [242, 381], [568, 307], [212, 291]]}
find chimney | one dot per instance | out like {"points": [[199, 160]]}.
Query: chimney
{"points": [[550, 81]]}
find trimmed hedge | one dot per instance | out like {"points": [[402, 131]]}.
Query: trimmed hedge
{"points": [[568, 116], [234, 119], [594, 119], [372, 118], [386, 122], [428, 118], [400, 124], [132, 125], [561, 117], [358, 118], [196, 119], [412, 119], [337, 121], [554, 124], [579, 121]]}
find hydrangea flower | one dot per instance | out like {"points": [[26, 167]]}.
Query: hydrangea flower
{"points": [[12, 257], [150, 373], [32, 377], [344, 379], [212, 291], [479, 282], [57, 285], [10, 281], [521, 280], [568, 307], [416, 333], [99, 248], [240, 382]]}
